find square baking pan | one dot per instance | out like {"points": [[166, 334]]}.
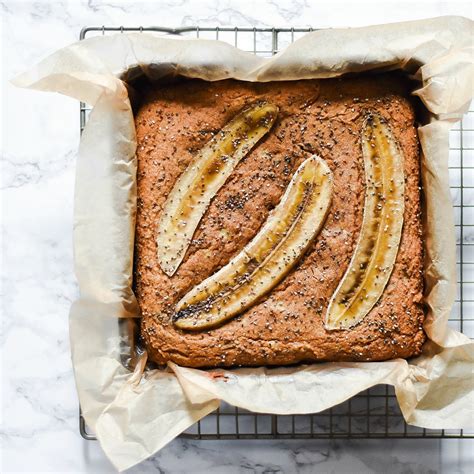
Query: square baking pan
{"points": [[373, 413]]}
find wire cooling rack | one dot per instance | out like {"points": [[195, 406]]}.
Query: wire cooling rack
{"points": [[373, 413]]}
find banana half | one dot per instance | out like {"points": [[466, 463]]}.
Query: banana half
{"points": [[377, 247], [268, 257], [205, 175]]}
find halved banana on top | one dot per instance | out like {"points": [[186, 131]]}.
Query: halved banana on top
{"points": [[205, 175], [377, 246], [268, 257]]}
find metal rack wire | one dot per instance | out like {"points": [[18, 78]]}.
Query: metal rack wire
{"points": [[373, 413]]}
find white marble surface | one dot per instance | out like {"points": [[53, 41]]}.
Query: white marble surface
{"points": [[40, 135]]}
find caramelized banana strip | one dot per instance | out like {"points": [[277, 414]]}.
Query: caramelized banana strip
{"points": [[377, 246], [205, 175], [289, 230]]}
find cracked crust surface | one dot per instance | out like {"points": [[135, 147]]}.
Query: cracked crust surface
{"points": [[287, 326]]}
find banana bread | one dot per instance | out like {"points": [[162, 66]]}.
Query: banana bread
{"points": [[322, 117]]}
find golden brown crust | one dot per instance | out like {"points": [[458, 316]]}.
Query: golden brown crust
{"points": [[286, 327]]}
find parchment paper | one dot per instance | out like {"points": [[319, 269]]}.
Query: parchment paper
{"points": [[136, 414]]}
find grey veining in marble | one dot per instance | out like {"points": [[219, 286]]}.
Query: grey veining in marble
{"points": [[40, 135]]}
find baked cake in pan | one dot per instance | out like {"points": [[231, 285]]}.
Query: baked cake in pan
{"points": [[303, 311]]}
